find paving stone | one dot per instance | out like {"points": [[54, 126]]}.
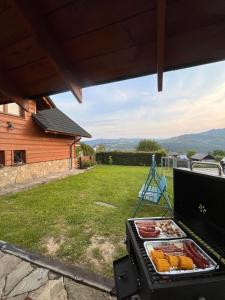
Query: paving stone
{"points": [[52, 290], [21, 270], [32, 282], [1, 254], [8, 264], [2, 285], [19, 297], [76, 291], [105, 204], [52, 275]]}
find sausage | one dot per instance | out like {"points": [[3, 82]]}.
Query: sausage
{"points": [[147, 234], [195, 259], [199, 254], [147, 228], [193, 249]]}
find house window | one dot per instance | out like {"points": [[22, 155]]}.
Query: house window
{"points": [[19, 157], [2, 159], [12, 109]]}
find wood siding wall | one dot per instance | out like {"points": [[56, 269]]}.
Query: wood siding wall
{"points": [[28, 136]]}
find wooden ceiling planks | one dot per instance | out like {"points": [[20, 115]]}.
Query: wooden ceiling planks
{"points": [[143, 57], [84, 16], [24, 52], [10, 32], [189, 53], [116, 37], [101, 41], [41, 33]]}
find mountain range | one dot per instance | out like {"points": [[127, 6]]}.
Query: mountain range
{"points": [[201, 142]]}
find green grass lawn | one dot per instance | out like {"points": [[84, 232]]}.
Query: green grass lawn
{"points": [[62, 220]]}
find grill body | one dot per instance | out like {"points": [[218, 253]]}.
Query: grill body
{"points": [[152, 286], [199, 206]]}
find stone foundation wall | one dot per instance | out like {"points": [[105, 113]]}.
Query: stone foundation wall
{"points": [[28, 172]]}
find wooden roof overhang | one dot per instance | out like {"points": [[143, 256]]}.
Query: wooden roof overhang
{"points": [[51, 46]]}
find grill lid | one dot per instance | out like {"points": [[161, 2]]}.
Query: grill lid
{"points": [[199, 201]]}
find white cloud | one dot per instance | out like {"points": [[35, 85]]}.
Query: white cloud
{"points": [[193, 100]]}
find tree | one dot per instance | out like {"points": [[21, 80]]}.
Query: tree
{"points": [[148, 146], [100, 148], [86, 149], [218, 152], [190, 153]]}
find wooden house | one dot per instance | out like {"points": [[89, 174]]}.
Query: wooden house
{"points": [[35, 142]]}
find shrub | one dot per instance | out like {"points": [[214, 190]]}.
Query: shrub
{"points": [[128, 158], [110, 160], [86, 164]]}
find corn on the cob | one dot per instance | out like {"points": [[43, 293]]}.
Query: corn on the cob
{"points": [[186, 263], [162, 265], [157, 254], [173, 261]]}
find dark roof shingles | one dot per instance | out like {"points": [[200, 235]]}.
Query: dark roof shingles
{"points": [[56, 121], [201, 156]]}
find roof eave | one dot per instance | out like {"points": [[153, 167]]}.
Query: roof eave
{"points": [[66, 133]]}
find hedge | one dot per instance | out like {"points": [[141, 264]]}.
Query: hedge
{"points": [[128, 158]]}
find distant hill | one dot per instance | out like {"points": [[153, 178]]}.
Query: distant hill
{"points": [[201, 142], [115, 144]]}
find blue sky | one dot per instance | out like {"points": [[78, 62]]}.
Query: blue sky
{"points": [[192, 100]]}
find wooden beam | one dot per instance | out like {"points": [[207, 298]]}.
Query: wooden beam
{"points": [[10, 91], [39, 29], [161, 24]]}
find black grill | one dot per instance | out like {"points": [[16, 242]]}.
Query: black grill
{"points": [[202, 228], [155, 277]]}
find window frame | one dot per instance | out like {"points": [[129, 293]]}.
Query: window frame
{"points": [[2, 158], [24, 158], [5, 111]]}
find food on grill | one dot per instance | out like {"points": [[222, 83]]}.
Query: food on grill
{"points": [[185, 263], [158, 229], [147, 228], [181, 256], [168, 228], [192, 251], [149, 234], [157, 254], [173, 261], [145, 223], [170, 249], [162, 265]]}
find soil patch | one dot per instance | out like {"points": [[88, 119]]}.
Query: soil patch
{"points": [[101, 251]]}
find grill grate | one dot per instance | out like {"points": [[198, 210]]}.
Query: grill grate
{"points": [[156, 278]]}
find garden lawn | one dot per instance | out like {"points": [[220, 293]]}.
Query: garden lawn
{"points": [[61, 218]]}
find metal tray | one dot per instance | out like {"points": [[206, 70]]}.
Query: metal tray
{"points": [[162, 235], [149, 245]]}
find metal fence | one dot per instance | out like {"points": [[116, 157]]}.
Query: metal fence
{"points": [[172, 162]]}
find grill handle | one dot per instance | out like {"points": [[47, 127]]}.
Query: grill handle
{"points": [[220, 170]]}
